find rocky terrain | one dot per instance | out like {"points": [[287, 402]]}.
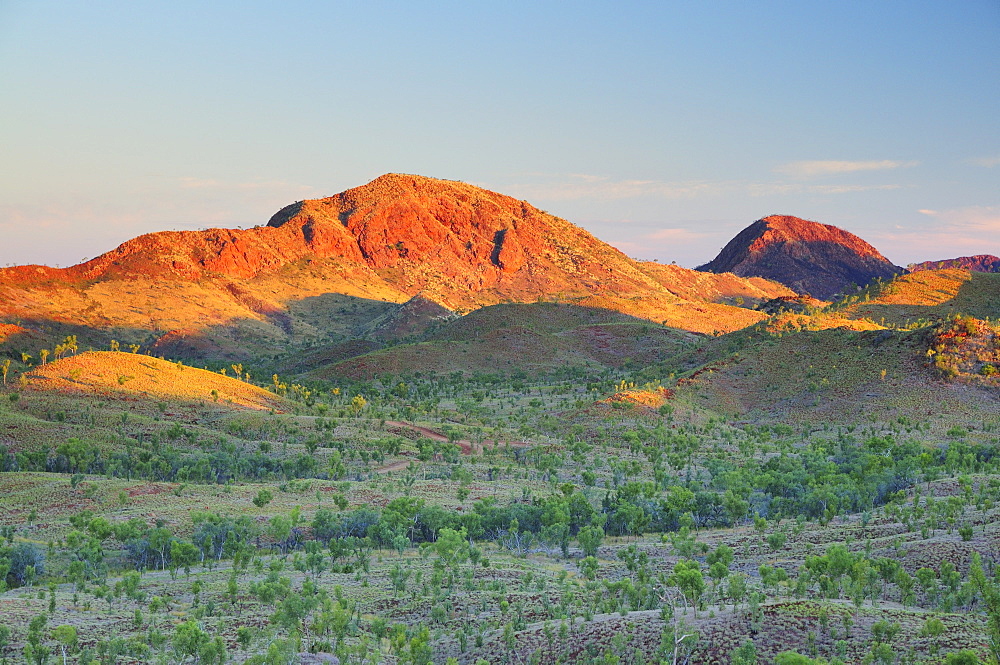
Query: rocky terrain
{"points": [[339, 268], [977, 263], [811, 258]]}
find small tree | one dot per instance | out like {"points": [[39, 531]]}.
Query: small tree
{"points": [[990, 593], [65, 635], [263, 498], [182, 555], [34, 650], [688, 578], [4, 639], [189, 640], [963, 657], [746, 654], [590, 539]]}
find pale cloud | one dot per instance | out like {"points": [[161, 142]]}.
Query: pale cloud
{"points": [[813, 169], [675, 234], [578, 186], [587, 177], [950, 233], [987, 162], [254, 185], [848, 189], [974, 218], [589, 187], [685, 245]]}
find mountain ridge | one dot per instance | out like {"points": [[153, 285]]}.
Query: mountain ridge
{"points": [[321, 270], [974, 263]]}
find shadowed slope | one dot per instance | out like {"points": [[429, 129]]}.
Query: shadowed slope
{"points": [[820, 375], [506, 339]]}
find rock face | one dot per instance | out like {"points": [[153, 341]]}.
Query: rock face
{"points": [[340, 267], [817, 259], [977, 263], [450, 241], [457, 244]]}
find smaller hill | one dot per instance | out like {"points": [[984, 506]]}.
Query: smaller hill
{"points": [[837, 376], [414, 317], [923, 297], [976, 263], [724, 288], [817, 259], [131, 376], [509, 338]]}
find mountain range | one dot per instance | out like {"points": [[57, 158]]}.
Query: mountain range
{"points": [[329, 269], [398, 258]]}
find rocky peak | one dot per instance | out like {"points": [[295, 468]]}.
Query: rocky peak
{"points": [[817, 259]]}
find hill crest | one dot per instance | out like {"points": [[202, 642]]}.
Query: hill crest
{"points": [[130, 376], [975, 263], [324, 269], [818, 259]]}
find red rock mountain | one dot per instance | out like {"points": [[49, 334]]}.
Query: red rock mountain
{"points": [[458, 244], [326, 269], [817, 259], [977, 263]]}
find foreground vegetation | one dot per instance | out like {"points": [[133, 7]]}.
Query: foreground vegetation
{"points": [[156, 512]]}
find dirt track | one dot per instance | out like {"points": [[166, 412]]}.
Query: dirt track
{"points": [[467, 447]]}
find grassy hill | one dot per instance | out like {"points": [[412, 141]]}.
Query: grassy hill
{"points": [[509, 338], [925, 296], [821, 376], [129, 377]]}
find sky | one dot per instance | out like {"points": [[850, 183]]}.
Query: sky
{"points": [[662, 128]]}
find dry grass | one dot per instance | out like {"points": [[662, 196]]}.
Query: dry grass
{"points": [[651, 398], [820, 376], [790, 322], [928, 295], [130, 376]]}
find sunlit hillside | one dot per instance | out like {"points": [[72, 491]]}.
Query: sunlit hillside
{"points": [[124, 376], [921, 297]]}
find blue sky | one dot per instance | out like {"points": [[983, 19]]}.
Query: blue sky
{"points": [[662, 127]]}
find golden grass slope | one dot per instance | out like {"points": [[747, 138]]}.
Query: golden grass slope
{"points": [[131, 376], [927, 295], [794, 322], [724, 288]]}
